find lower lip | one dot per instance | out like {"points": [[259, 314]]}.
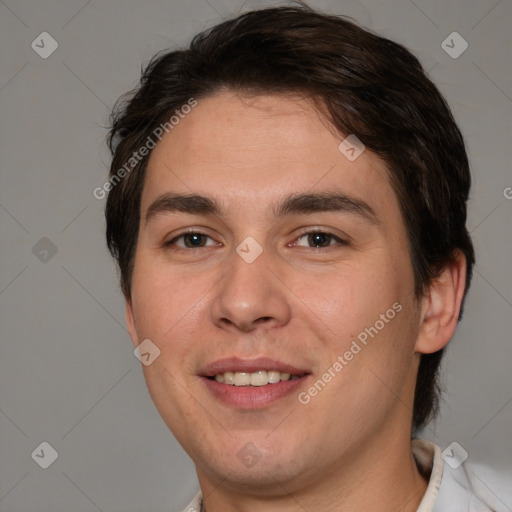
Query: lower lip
{"points": [[252, 397]]}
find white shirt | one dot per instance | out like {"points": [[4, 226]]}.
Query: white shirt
{"points": [[448, 490]]}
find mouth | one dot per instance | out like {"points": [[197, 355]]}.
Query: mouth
{"points": [[252, 384]]}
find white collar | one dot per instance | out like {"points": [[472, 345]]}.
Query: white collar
{"points": [[429, 462]]}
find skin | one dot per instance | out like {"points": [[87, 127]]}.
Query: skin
{"points": [[349, 447]]}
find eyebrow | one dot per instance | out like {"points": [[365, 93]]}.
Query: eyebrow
{"points": [[305, 203]]}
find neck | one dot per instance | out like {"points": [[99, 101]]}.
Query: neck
{"points": [[378, 476]]}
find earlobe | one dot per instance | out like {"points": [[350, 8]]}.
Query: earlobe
{"points": [[441, 307], [130, 322]]}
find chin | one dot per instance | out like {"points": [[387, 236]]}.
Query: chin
{"points": [[263, 479], [244, 463]]}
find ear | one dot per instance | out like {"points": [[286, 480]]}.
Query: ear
{"points": [[130, 322], [441, 307]]}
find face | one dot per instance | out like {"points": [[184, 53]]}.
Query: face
{"points": [[293, 260]]}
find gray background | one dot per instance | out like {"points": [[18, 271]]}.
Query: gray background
{"points": [[68, 374]]}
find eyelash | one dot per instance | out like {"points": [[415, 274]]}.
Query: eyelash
{"points": [[331, 236]]}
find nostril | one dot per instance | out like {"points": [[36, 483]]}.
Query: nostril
{"points": [[263, 319]]}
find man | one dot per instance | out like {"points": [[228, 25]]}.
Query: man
{"points": [[287, 207]]}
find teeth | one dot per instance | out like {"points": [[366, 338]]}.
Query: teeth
{"points": [[259, 378], [273, 377], [242, 379]]}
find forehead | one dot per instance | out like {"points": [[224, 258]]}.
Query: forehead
{"points": [[251, 149]]}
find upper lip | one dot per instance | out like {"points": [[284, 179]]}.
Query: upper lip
{"points": [[235, 364]]}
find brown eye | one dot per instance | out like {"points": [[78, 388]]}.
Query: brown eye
{"points": [[194, 240], [191, 240], [319, 239]]}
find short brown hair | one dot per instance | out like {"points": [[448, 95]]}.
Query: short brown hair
{"points": [[369, 86]]}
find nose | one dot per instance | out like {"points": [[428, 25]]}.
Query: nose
{"points": [[250, 296]]}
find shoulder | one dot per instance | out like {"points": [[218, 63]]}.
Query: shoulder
{"points": [[456, 485]]}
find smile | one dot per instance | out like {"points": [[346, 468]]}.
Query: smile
{"points": [[252, 384], [258, 378]]}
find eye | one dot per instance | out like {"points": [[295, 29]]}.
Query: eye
{"points": [[190, 240], [319, 239]]}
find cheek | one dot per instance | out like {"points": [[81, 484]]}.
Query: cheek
{"points": [[370, 314], [353, 298], [160, 299], [169, 309], [376, 363]]}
